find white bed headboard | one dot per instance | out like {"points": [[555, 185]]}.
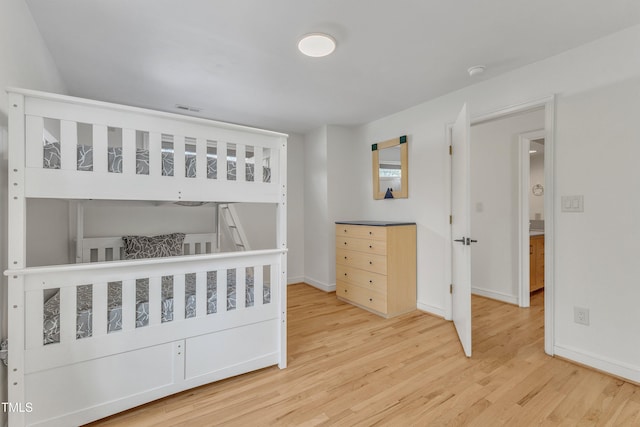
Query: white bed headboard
{"points": [[96, 249]]}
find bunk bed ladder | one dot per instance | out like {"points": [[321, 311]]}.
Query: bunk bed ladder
{"points": [[229, 222]]}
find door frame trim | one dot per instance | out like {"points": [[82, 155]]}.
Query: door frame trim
{"points": [[548, 103], [524, 185]]}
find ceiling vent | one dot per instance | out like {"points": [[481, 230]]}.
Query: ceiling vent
{"points": [[188, 108]]}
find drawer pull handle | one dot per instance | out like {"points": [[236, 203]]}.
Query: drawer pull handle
{"points": [[370, 281], [370, 262], [345, 257], [370, 233], [345, 274], [345, 291], [370, 246], [345, 230], [370, 299], [345, 243]]}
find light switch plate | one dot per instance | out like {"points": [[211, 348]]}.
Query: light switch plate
{"points": [[572, 203]]}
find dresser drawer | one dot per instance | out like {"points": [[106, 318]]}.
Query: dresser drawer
{"points": [[365, 279], [360, 231], [361, 260], [364, 297], [363, 245]]}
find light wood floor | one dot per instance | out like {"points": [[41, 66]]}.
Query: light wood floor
{"points": [[348, 367]]}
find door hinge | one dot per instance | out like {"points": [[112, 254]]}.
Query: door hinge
{"points": [[451, 288], [450, 219], [451, 150]]}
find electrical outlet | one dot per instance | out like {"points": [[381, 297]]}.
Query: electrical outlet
{"points": [[581, 315]]}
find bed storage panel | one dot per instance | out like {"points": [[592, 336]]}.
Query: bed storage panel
{"points": [[118, 333]]}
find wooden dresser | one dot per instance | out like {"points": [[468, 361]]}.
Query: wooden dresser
{"points": [[376, 266], [536, 262]]}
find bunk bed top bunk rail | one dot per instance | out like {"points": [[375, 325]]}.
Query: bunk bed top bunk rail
{"points": [[82, 149]]}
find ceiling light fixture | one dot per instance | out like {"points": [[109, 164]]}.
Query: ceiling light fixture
{"points": [[317, 45], [476, 70]]}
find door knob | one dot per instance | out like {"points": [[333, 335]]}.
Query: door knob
{"points": [[461, 241]]}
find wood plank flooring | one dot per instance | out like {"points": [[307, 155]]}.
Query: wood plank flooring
{"points": [[348, 367]]}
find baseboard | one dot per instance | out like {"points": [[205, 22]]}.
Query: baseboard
{"points": [[317, 284], [430, 309], [294, 280], [495, 295], [604, 364]]}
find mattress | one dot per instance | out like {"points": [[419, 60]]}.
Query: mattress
{"points": [[51, 160], [51, 324]]}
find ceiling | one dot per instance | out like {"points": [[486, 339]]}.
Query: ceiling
{"points": [[237, 60]]}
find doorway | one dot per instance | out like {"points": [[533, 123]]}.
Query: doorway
{"points": [[531, 146], [500, 240]]}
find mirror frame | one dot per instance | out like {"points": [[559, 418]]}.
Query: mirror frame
{"points": [[404, 167]]}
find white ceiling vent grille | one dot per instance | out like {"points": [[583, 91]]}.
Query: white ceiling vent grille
{"points": [[188, 108]]}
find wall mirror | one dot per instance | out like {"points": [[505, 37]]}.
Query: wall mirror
{"points": [[390, 162]]}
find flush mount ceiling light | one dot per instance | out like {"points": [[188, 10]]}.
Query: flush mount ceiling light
{"points": [[317, 45], [476, 70]]}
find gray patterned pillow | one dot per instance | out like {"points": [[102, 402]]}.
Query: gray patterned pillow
{"points": [[137, 247]]}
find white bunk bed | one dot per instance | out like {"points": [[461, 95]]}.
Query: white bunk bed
{"points": [[77, 377]]}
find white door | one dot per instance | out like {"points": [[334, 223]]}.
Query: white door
{"points": [[461, 229]]}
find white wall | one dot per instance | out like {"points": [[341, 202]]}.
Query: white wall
{"points": [[494, 203], [295, 209], [47, 232], [597, 100], [330, 189], [317, 254], [597, 152], [26, 62], [259, 223]]}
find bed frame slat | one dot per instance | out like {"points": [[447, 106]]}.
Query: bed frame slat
{"points": [[34, 319], [155, 154], [222, 161], [258, 174], [201, 294], [99, 316], [241, 287], [201, 158], [100, 142], [128, 305], [258, 285], [155, 304], [68, 145], [222, 290], [178, 297], [34, 146], [241, 161], [178, 156], [275, 277], [68, 310], [128, 152]]}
